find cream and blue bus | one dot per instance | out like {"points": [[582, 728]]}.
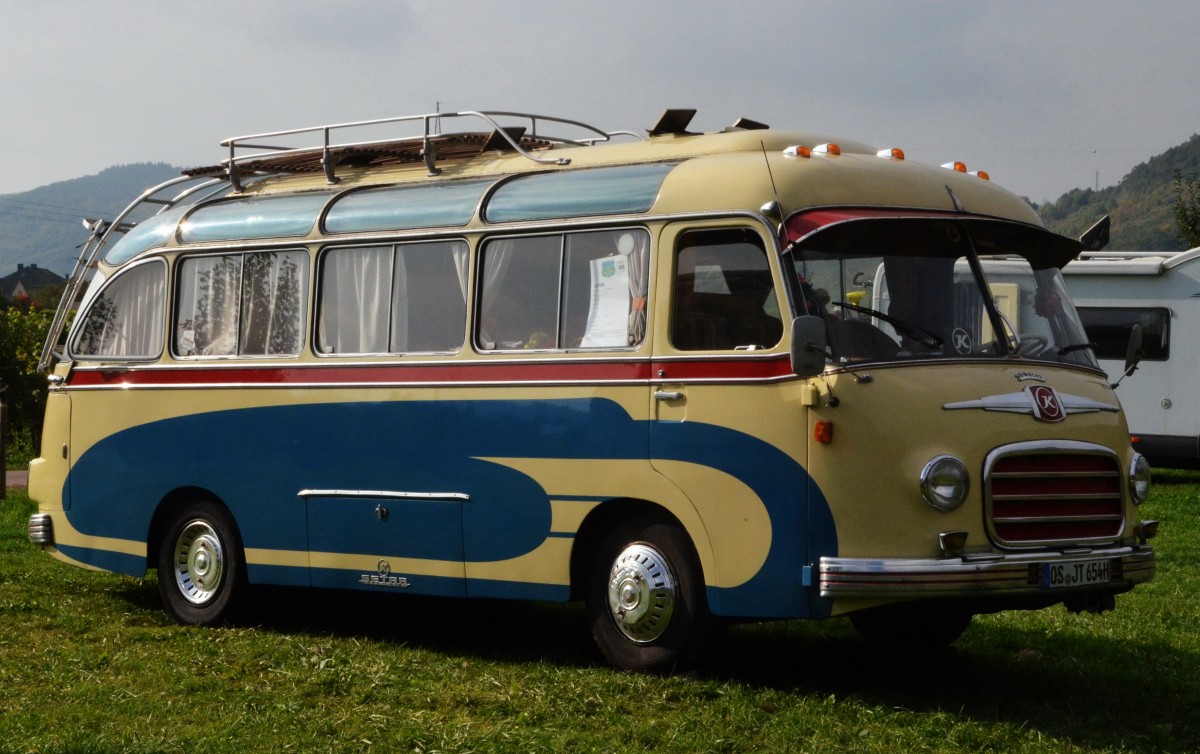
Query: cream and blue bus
{"points": [[685, 378]]}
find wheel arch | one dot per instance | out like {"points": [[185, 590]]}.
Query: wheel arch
{"points": [[622, 512], [170, 504]]}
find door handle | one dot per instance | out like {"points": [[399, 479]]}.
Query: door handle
{"points": [[668, 395]]}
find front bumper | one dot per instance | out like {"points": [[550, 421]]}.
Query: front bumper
{"points": [[981, 574]]}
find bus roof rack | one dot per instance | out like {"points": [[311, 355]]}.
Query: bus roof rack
{"points": [[325, 148]]}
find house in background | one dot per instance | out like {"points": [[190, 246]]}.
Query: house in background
{"points": [[28, 280]]}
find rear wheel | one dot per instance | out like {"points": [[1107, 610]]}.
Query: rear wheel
{"points": [[645, 598], [201, 568]]}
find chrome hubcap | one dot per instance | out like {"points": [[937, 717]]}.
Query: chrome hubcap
{"points": [[641, 593], [199, 562]]}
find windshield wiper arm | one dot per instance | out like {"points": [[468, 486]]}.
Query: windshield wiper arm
{"points": [[1075, 347]]}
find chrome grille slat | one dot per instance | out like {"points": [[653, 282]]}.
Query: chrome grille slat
{"points": [[1054, 519]]}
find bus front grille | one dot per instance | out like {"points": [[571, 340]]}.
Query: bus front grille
{"points": [[1039, 494]]}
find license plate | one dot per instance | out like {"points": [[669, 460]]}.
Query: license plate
{"points": [[1082, 573]]}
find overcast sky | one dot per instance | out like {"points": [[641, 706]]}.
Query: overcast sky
{"points": [[1045, 96]]}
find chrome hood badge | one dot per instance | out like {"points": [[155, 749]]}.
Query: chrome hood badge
{"points": [[1042, 402]]}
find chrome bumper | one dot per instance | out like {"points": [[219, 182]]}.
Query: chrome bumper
{"points": [[41, 529], [977, 575]]}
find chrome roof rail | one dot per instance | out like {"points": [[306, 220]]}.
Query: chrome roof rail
{"points": [[251, 154]]}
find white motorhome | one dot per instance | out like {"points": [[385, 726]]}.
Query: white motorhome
{"points": [[1160, 291]]}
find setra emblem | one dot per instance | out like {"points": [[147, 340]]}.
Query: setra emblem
{"points": [[1046, 405]]}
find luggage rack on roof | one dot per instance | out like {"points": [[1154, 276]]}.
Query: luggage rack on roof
{"points": [[249, 156]]}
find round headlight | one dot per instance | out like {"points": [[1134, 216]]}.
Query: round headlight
{"points": [[944, 483], [1139, 478]]}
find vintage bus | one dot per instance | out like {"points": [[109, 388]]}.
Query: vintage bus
{"points": [[685, 378]]}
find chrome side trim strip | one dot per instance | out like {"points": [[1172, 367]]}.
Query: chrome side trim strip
{"points": [[459, 497], [966, 576]]}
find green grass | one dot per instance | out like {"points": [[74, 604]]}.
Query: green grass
{"points": [[90, 664]]}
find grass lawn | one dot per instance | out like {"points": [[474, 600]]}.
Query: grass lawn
{"points": [[89, 663]]}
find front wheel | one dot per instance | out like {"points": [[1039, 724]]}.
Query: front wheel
{"points": [[645, 599], [200, 565]]}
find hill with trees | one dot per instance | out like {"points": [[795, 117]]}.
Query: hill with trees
{"points": [[1141, 205], [44, 225]]}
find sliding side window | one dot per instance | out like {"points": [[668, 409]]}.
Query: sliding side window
{"points": [[564, 291], [397, 298], [251, 304]]}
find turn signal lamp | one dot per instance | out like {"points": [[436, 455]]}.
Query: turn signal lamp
{"points": [[827, 149], [958, 167], [894, 153], [823, 432], [798, 151]]}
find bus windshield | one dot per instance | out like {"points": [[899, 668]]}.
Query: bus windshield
{"points": [[898, 290]]}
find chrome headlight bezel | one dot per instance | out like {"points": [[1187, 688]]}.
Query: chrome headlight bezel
{"points": [[1139, 478], [945, 483]]}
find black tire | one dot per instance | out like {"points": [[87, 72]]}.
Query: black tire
{"points": [[201, 566], [645, 598], [922, 627]]}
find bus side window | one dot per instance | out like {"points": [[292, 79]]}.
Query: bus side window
{"points": [[402, 298], [125, 321], [564, 291], [251, 304], [724, 296]]}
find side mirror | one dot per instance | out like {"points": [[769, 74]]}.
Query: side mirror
{"points": [[808, 346], [1133, 353]]}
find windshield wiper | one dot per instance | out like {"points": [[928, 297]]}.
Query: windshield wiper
{"points": [[1075, 347]]}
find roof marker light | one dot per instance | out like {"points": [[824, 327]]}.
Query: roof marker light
{"points": [[958, 167], [827, 149], [894, 152], [981, 174], [798, 151]]}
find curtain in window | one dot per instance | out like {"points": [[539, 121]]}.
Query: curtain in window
{"points": [[273, 303], [356, 295], [638, 252], [126, 319], [210, 302]]}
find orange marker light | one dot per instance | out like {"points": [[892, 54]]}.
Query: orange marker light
{"points": [[981, 174], [823, 432], [798, 151], [895, 153], [827, 149], [958, 167]]}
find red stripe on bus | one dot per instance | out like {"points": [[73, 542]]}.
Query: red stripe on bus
{"points": [[473, 373]]}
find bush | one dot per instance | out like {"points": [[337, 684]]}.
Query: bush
{"points": [[22, 333]]}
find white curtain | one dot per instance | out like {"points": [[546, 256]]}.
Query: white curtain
{"points": [[126, 320], [639, 257], [355, 302]]}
